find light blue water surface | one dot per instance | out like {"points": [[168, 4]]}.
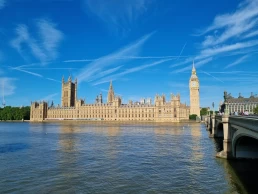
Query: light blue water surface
{"points": [[112, 158]]}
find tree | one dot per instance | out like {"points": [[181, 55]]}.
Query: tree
{"points": [[204, 111], [192, 117], [256, 110], [14, 113]]}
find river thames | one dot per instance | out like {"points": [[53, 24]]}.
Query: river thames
{"points": [[117, 158]]}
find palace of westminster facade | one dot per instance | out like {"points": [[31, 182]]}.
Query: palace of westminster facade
{"points": [[76, 109]]}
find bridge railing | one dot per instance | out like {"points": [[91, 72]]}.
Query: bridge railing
{"points": [[247, 122]]}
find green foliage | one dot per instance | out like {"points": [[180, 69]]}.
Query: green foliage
{"points": [[256, 110], [204, 111], [192, 117], [14, 113]]}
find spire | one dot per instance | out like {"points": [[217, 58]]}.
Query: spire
{"points": [[193, 69], [111, 95], [110, 86], [63, 79], [70, 79]]}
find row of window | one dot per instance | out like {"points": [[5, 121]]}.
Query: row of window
{"points": [[108, 116]]}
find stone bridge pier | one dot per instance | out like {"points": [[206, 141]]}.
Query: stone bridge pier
{"points": [[239, 133]]}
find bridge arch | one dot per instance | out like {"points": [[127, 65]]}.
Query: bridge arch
{"points": [[245, 144]]}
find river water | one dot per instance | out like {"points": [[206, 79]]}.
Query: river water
{"points": [[117, 158]]}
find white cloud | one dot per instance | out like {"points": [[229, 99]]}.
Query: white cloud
{"points": [[118, 14], [234, 31], [238, 61], [212, 76], [107, 72], [95, 67], [224, 37], [186, 61], [51, 37], [44, 49], [128, 71], [246, 12], [53, 80], [49, 97], [251, 34], [78, 60], [131, 57], [7, 86], [2, 4], [198, 64], [28, 72], [227, 48]]}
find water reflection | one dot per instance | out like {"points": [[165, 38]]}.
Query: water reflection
{"points": [[67, 158], [112, 146], [197, 152], [236, 185], [67, 138], [113, 131]]}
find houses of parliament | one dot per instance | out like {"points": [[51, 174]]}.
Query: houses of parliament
{"points": [[73, 108]]}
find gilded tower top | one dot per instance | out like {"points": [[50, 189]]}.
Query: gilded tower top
{"points": [[193, 76], [193, 69]]}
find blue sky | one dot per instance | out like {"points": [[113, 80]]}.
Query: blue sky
{"points": [[145, 46]]}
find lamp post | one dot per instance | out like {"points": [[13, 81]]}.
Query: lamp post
{"points": [[213, 108]]}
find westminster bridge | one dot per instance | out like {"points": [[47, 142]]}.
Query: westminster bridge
{"points": [[239, 133]]}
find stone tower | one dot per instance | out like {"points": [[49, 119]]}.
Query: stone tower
{"points": [[111, 95], [194, 93], [69, 92]]}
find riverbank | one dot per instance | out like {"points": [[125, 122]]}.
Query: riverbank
{"points": [[14, 121], [102, 122]]}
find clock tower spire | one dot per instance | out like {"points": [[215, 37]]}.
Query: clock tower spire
{"points": [[194, 93]]}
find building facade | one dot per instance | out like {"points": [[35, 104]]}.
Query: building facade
{"points": [[239, 104], [194, 86], [162, 110]]}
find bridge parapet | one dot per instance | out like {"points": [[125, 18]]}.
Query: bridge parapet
{"points": [[249, 123]]}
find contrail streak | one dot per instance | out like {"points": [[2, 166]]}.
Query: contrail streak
{"points": [[212, 76], [181, 51]]}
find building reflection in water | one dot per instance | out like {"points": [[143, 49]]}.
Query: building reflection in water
{"points": [[170, 130], [68, 154], [162, 142], [196, 151], [67, 138], [113, 133], [196, 134]]}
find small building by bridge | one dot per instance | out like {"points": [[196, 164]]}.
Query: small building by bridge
{"points": [[240, 104]]}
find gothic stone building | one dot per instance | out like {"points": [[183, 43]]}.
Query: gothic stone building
{"points": [[114, 110], [239, 104]]}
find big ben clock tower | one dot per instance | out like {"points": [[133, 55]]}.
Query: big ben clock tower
{"points": [[194, 93]]}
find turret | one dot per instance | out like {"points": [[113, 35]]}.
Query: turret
{"points": [[175, 99], [160, 100], [117, 101], [38, 111], [69, 93]]}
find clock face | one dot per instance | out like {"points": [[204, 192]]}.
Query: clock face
{"points": [[194, 84]]}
